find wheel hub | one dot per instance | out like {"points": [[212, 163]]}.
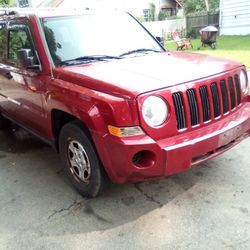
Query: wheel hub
{"points": [[79, 161]]}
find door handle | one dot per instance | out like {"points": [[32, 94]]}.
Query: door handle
{"points": [[8, 75]]}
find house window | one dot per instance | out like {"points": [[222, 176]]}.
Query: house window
{"points": [[23, 3], [146, 14]]}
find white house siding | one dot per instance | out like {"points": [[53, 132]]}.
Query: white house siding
{"points": [[235, 17]]}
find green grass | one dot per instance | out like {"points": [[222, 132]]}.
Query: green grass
{"points": [[232, 47]]}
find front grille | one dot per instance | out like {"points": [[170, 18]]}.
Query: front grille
{"points": [[238, 89], [224, 96], [179, 110], [216, 101], [193, 107], [205, 103], [232, 92], [192, 101]]}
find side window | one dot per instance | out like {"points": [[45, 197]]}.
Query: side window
{"points": [[18, 39], [1, 40], [21, 48]]}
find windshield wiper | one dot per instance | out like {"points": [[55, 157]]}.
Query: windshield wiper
{"points": [[138, 51], [87, 59]]}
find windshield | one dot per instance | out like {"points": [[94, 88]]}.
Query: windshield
{"points": [[96, 35]]}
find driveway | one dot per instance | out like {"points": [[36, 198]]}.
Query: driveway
{"points": [[207, 207]]}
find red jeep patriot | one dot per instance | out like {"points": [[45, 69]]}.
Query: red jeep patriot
{"points": [[114, 103]]}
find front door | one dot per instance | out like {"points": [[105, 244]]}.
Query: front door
{"points": [[22, 86]]}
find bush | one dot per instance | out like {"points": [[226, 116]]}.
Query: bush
{"points": [[192, 33], [162, 15]]}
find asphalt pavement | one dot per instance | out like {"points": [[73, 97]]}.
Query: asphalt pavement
{"points": [[207, 207]]}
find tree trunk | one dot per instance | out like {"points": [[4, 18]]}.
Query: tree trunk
{"points": [[207, 5]]}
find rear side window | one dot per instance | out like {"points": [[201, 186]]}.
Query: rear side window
{"points": [[1, 40]]}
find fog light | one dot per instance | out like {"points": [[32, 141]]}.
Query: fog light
{"points": [[144, 159]]}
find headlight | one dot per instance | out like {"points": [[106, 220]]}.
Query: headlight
{"points": [[154, 111], [243, 82]]}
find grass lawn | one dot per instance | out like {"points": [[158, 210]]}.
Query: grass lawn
{"points": [[233, 47]]}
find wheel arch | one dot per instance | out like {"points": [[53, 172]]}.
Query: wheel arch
{"points": [[59, 118]]}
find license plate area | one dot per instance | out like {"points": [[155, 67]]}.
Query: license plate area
{"points": [[230, 135]]}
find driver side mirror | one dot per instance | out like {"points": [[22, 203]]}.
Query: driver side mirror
{"points": [[27, 60]]}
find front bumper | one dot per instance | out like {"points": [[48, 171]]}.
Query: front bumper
{"points": [[172, 155]]}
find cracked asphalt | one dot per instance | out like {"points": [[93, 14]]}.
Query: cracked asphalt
{"points": [[207, 207]]}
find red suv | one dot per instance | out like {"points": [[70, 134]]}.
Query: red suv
{"points": [[114, 103]]}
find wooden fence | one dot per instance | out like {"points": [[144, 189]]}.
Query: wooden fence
{"points": [[195, 22]]}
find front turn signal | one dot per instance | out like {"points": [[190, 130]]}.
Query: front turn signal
{"points": [[125, 131]]}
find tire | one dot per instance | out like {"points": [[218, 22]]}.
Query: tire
{"points": [[80, 160]]}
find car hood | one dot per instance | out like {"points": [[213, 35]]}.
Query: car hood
{"points": [[132, 76]]}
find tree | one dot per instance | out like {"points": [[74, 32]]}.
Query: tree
{"points": [[191, 6], [7, 3], [162, 15], [152, 11], [4, 3]]}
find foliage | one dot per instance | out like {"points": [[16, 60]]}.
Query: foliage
{"points": [[174, 17], [7, 3], [4, 2], [191, 33], [191, 6], [140, 18], [152, 12], [162, 15]]}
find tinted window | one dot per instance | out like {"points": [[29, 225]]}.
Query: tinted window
{"points": [[18, 39], [95, 34]]}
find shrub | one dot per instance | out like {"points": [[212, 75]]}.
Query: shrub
{"points": [[192, 33]]}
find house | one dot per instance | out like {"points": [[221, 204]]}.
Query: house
{"points": [[171, 7], [234, 17]]}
